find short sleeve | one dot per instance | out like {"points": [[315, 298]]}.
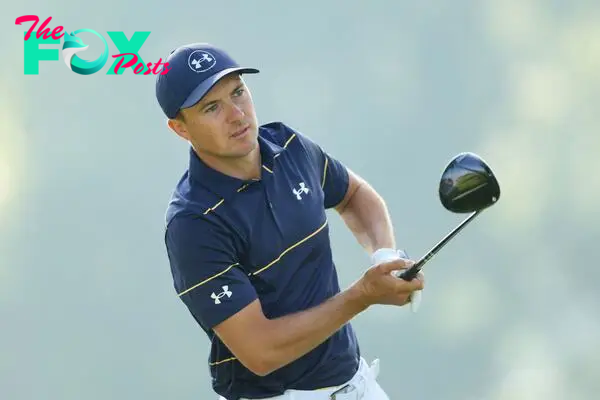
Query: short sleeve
{"points": [[333, 173], [206, 273]]}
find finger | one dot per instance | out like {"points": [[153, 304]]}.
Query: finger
{"points": [[409, 286], [420, 276], [395, 265], [415, 284]]}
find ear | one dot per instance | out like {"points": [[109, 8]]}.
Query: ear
{"points": [[179, 128]]}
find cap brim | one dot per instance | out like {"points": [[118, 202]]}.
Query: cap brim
{"points": [[198, 93]]}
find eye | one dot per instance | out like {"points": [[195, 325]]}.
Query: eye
{"points": [[238, 92], [211, 108]]}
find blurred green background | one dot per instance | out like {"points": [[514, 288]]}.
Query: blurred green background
{"points": [[393, 89]]}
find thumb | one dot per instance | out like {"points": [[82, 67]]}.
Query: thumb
{"points": [[395, 265]]}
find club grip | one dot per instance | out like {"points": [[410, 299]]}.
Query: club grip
{"points": [[410, 273]]}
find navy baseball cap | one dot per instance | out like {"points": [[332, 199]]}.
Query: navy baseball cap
{"points": [[193, 70]]}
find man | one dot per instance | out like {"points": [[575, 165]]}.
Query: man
{"points": [[248, 242]]}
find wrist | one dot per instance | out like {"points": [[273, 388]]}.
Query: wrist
{"points": [[357, 298], [386, 254]]}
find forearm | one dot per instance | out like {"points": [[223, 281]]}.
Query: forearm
{"points": [[289, 337], [367, 216]]}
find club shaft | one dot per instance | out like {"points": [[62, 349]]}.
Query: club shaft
{"points": [[412, 272]]}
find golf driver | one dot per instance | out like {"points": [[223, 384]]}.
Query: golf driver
{"points": [[467, 185]]}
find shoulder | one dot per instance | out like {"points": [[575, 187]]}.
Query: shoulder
{"points": [[193, 236], [186, 225], [277, 132], [190, 202], [287, 136]]}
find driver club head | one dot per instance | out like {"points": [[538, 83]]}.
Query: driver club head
{"points": [[468, 184]]}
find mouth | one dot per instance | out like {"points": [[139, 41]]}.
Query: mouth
{"points": [[241, 132]]}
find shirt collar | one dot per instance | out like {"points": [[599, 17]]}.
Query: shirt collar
{"points": [[224, 185]]}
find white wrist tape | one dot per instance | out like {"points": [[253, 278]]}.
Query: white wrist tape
{"points": [[386, 255]]}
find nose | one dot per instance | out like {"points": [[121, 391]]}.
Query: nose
{"points": [[235, 112]]}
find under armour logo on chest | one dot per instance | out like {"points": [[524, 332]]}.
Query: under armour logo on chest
{"points": [[225, 292], [302, 190]]}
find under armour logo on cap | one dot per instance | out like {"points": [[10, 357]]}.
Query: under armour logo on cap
{"points": [[200, 61], [195, 69]]}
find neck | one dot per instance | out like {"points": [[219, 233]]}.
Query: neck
{"points": [[247, 167]]}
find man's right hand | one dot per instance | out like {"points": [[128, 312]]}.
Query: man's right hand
{"points": [[264, 344], [378, 285]]}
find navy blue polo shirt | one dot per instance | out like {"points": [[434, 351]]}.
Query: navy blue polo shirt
{"points": [[231, 241]]}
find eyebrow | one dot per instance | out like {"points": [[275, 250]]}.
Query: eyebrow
{"points": [[203, 106]]}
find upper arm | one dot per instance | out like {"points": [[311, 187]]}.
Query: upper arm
{"points": [[243, 333], [354, 182], [213, 285]]}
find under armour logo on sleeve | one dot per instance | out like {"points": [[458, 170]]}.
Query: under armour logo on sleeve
{"points": [[225, 292]]}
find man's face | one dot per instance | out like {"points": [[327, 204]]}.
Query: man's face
{"points": [[223, 123]]}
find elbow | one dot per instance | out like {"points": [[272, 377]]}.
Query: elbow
{"points": [[261, 363], [260, 368]]}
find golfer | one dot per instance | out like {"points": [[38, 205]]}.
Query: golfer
{"points": [[248, 241]]}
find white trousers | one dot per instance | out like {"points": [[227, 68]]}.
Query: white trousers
{"points": [[362, 386]]}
